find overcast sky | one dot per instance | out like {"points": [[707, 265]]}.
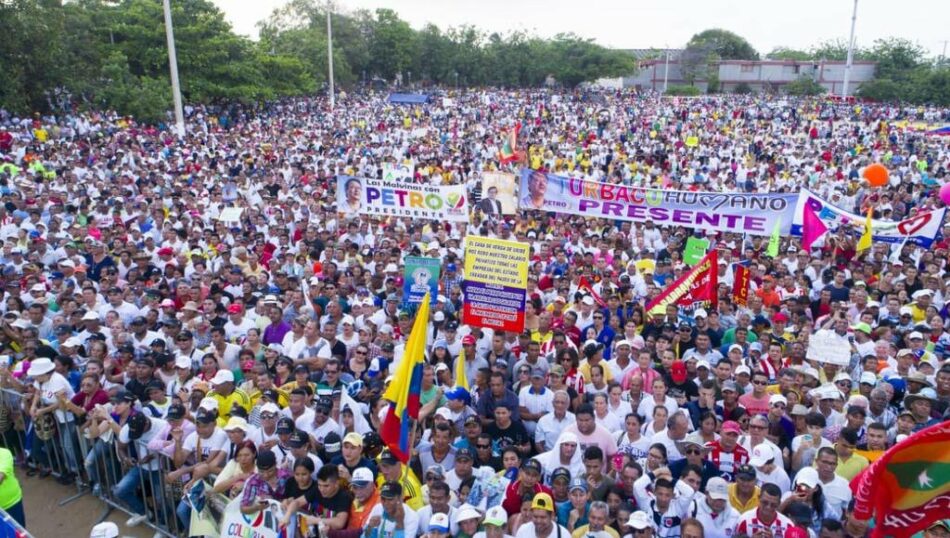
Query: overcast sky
{"points": [[659, 23]]}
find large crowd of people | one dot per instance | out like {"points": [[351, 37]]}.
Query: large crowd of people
{"points": [[200, 300]]}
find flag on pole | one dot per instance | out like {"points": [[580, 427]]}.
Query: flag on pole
{"points": [[699, 286], [461, 378], [585, 285], [812, 226], [772, 250], [865, 242], [404, 390], [909, 486]]}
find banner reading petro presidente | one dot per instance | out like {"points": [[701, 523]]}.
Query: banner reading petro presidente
{"points": [[365, 196], [753, 214], [496, 277]]}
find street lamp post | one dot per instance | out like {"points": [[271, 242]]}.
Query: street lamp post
{"points": [[173, 67], [847, 66], [330, 57]]}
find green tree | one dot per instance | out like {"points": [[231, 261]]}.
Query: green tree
{"points": [[725, 44], [785, 53], [882, 89], [834, 50], [392, 46], [896, 58], [804, 86]]}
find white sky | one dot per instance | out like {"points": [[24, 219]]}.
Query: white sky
{"points": [[660, 23]]}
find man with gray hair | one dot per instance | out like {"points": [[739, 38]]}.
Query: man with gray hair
{"points": [[878, 410], [597, 516], [677, 426], [551, 425]]}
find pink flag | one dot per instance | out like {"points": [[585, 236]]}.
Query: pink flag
{"points": [[812, 226]]}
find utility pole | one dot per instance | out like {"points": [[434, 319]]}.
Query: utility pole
{"points": [[666, 70], [943, 55], [173, 67], [847, 66], [330, 56]]}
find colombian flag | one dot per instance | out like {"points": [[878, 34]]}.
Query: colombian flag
{"points": [[909, 486], [405, 388], [508, 152], [865, 242]]}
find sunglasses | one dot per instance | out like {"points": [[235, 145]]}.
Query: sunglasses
{"points": [[693, 451], [268, 416], [483, 447]]}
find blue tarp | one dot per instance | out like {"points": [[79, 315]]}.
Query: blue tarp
{"points": [[408, 98]]}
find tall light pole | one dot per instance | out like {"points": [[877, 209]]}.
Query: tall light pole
{"points": [[330, 56], [666, 70], [173, 67], [847, 66]]}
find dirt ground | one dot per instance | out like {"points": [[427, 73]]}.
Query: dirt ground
{"points": [[46, 519]]}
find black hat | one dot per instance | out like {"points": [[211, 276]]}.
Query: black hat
{"points": [[157, 342], [745, 471], [387, 457], [302, 368], [138, 423], [298, 439], [463, 453], [155, 384], [206, 417], [285, 425], [531, 465], [371, 441], [324, 403], [560, 472], [451, 325], [592, 348], [388, 346], [124, 396], [138, 320], [175, 412], [271, 394], [266, 459], [391, 490], [332, 444], [126, 348], [147, 361]]}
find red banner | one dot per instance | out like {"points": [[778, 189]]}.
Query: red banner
{"points": [[740, 286], [907, 488], [699, 287]]}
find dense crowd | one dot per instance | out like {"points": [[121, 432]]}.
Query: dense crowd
{"points": [[252, 351]]}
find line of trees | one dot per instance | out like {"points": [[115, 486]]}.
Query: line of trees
{"points": [[112, 54]]}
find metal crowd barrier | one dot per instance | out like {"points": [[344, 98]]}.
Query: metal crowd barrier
{"points": [[95, 464], [10, 527]]}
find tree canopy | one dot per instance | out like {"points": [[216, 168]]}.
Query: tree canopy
{"points": [[112, 54]]}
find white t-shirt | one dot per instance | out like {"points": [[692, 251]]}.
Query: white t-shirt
{"points": [[48, 390], [216, 442], [527, 531], [387, 527]]}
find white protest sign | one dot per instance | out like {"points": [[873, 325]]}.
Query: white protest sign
{"points": [[231, 214], [828, 346], [397, 172]]}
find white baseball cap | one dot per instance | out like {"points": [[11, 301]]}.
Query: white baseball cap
{"points": [[640, 520], [362, 477], [761, 455], [717, 488], [208, 404], [270, 407], [106, 529], [496, 516], [183, 361], [439, 522], [223, 376]]}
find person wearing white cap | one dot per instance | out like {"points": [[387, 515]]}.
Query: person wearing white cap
{"points": [[53, 388], [106, 529], [642, 524], [713, 510], [440, 505], [227, 395], [494, 524], [768, 469]]}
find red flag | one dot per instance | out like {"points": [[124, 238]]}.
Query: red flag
{"points": [[700, 285], [740, 286], [908, 487], [584, 284]]}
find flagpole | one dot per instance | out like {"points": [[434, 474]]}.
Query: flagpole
{"points": [[330, 56], [173, 68]]}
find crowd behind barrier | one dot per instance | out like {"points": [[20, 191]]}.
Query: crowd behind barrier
{"points": [[199, 330]]}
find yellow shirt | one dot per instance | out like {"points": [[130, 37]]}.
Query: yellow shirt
{"points": [[580, 532], [871, 455], [738, 505], [225, 403], [282, 398], [850, 468], [584, 369], [411, 487]]}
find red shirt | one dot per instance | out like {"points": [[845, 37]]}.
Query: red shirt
{"points": [[100, 397], [512, 502]]}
